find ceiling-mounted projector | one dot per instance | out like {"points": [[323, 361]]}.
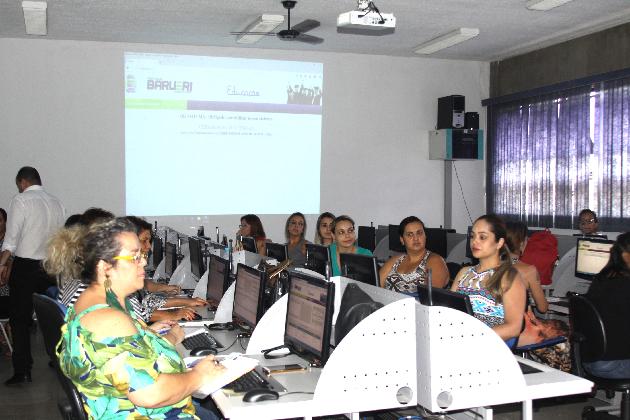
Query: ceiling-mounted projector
{"points": [[366, 20]]}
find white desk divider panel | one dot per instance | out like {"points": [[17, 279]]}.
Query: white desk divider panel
{"points": [[462, 363], [269, 331], [250, 259], [224, 310], [202, 287], [159, 270], [182, 276], [374, 366]]}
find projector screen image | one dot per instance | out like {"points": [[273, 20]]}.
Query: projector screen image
{"points": [[217, 135]]}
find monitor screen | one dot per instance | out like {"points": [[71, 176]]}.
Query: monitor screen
{"points": [[394, 239], [309, 317], [443, 297], [436, 240], [218, 279], [361, 268], [277, 251], [249, 244], [157, 252], [197, 265], [591, 256], [248, 296], [317, 258], [170, 258], [366, 237]]}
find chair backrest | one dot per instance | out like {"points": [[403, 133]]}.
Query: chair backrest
{"points": [[589, 334], [50, 316], [74, 401]]}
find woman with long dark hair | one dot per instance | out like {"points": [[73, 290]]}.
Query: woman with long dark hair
{"points": [[610, 294], [494, 286]]}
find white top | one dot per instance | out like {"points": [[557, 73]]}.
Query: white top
{"points": [[33, 216]]}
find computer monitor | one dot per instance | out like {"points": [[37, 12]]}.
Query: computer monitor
{"points": [[443, 297], [317, 258], [591, 255], [157, 252], [361, 268], [366, 237], [468, 236], [436, 241], [248, 296], [249, 244], [277, 251], [310, 310], [218, 279], [394, 239], [197, 264], [170, 259]]}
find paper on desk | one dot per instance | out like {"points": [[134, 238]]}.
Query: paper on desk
{"points": [[235, 367]]}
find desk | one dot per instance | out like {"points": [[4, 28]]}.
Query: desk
{"points": [[441, 359], [288, 405]]}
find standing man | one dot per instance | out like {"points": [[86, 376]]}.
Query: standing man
{"points": [[34, 215]]}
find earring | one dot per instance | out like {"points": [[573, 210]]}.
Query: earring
{"points": [[107, 283]]}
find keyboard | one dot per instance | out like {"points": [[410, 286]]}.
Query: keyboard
{"points": [[204, 340], [251, 380]]}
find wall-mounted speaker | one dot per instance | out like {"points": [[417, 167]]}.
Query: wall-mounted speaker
{"points": [[471, 120], [451, 112]]}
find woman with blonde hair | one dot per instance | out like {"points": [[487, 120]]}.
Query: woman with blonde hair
{"points": [[121, 367]]}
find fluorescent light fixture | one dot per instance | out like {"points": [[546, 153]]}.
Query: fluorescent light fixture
{"points": [[35, 17], [447, 40], [543, 5], [260, 28]]}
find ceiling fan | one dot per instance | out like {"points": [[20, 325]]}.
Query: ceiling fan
{"points": [[295, 33]]}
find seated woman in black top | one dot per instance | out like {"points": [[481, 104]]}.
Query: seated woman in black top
{"points": [[610, 293]]}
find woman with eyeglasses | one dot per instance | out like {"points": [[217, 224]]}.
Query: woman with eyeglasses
{"points": [[121, 367], [404, 273], [587, 222], [345, 242], [294, 231], [252, 226]]}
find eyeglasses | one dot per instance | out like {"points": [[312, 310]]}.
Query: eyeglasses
{"points": [[587, 221], [134, 258]]}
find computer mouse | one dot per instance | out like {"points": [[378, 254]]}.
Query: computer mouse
{"points": [[203, 351], [260, 394]]}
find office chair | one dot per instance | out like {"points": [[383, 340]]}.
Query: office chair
{"points": [[588, 345], [3, 323], [50, 315]]}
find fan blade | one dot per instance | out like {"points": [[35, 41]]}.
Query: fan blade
{"points": [[306, 25], [252, 33], [309, 39]]}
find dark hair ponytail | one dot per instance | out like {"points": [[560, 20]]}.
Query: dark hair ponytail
{"points": [[495, 284]]}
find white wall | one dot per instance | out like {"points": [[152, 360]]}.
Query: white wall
{"points": [[62, 111]]}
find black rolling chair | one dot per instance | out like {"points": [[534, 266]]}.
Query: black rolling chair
{"points": [[588, 344], [50, 316]]}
